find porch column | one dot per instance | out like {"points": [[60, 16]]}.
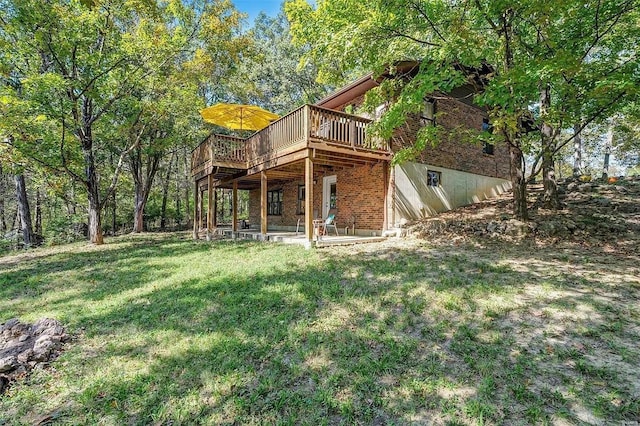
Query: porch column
{"points": [[263, 203], [308, 199], [201, 210], [210, 211], [234, 224], [385, 183], [196, 194], [215, 208]]}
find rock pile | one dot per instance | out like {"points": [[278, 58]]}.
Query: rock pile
{"points": [[25, 346]]}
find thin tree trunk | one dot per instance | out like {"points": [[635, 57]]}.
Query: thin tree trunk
{"points": [[607, 152], [142, 182], [550, 197], [25, 211], [38, 228], [165, 193], [187, 180], [517, 170], [114, 211], [577, 150], [3, 223]]}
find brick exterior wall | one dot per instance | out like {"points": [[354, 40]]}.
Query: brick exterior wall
{"points": [[360, 198], [452, 152]]}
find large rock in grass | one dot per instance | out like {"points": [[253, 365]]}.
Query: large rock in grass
{"points": [[25, 346]]}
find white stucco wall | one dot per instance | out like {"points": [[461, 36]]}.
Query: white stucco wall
{"points": [[413, 199]]}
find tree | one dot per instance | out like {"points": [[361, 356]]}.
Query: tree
{"points": [[24, 210], [571, 59], [271, 74], [78, 62]]}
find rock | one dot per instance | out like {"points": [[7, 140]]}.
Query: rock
{"points": [[8, 363], [10, 324], [25, 346], [585, 187], [516, 228]]}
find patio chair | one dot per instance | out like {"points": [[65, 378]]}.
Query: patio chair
{"points": [[330, 223]]}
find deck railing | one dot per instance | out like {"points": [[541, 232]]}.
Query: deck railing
{"points": [[337, 128], [224, 148], [325, 125]]}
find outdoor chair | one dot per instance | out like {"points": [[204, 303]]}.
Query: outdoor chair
{"points": [[329, 223]]}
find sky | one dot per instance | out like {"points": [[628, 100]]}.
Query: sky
{"points": [[254, 7]]}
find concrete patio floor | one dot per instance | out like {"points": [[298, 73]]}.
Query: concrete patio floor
{"points": [[296, 238]]}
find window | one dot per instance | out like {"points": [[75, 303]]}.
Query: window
{"points": [[301, 197], [428, 117], [433, 178], [333, 196], [486, 126], [274, 202], [487, 147]]}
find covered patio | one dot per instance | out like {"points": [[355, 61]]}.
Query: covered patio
{"points": [[304, 146]]}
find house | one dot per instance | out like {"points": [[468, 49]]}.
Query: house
{"points": [[315, 161]]}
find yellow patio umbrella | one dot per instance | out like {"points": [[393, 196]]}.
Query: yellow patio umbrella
{"points": [[238, 117]]}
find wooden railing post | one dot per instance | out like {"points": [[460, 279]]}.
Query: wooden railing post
{"points": [[306, 119], [352, 132]]}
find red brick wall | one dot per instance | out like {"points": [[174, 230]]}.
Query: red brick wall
{"points": [[360, 194], [452, 151], [289, 215]]}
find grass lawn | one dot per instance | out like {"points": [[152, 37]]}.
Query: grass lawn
{"points": [[172, 331]]}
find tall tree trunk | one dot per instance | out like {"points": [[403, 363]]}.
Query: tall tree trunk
{"points": [[517, 169], [178, 192], [550, 197], [38, 228], [3, 223], [187, 180], [114, 211], [93, 195], [607, 152], [518, 182], [165, 193], [24, 210], [143, 180], [84, 133], [577, 150]]}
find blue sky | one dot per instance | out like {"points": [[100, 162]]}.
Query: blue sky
{"points": [[254, 7]]}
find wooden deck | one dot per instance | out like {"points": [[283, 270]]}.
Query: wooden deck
{"points": [[331, 137]]}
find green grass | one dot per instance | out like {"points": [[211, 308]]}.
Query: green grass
{"points": [[172, 331]]}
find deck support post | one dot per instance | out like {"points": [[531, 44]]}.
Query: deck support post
{"points": [[263, 204], [215, 208], [210, 210], [195, 211], [308, 200], [234, 223], [385, 183]]}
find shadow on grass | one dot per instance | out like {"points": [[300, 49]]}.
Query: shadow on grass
{"points": [[267, 334]]}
